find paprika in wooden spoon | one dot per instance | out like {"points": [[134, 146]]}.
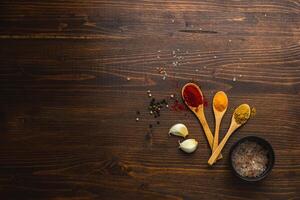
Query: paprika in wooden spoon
{"points": [[193, 98]]}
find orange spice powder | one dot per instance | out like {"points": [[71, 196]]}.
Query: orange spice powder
{"points": [[220, 101]]}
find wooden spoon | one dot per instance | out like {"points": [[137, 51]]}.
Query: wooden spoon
{"points": [[233, 126], [218, 118], [199, 112]]}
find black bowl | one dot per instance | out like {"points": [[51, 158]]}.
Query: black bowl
{"points": [[271, 158]]}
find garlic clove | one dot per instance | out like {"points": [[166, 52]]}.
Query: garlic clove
{"points": [[188, 146], [179, 130]]}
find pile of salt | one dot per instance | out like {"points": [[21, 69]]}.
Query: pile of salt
{"points": [[250, 159]]}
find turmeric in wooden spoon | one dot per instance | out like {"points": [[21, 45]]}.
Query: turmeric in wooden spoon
{"points": [[240, 117], [220, 104]]}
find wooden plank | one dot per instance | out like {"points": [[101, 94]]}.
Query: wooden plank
{"points": [[68, 129]]}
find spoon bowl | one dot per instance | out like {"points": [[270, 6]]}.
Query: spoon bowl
{"points": [[233, 127], [196, 106], [218, 116]]}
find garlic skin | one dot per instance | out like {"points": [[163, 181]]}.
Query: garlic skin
{"points": [[179, 130], [188, 146]]}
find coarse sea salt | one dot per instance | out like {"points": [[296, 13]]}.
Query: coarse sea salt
{"points": [[250, 159]]}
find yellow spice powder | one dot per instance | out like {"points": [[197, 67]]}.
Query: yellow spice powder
{"points": [[253, 112], [220, 101], [242, 114]]}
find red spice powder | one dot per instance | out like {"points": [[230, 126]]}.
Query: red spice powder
{"points": [[205, 102], [177, 106], [192, 96]]}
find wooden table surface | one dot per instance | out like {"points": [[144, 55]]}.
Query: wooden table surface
{"points": [[73, 74]]}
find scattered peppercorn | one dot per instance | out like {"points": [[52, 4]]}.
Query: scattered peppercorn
{"points": [[156, 106]]}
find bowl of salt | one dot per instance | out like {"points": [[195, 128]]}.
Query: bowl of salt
{"points": [[251, 158]]}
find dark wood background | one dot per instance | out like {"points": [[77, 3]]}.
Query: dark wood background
{"points": [[67, 114]]}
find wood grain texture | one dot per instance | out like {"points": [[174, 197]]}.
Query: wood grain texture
{"points": [[68, 129]]}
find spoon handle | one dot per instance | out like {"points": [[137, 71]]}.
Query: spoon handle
{"points": [[216, 136], [218, 150], [206, 128], [210, 138]]}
